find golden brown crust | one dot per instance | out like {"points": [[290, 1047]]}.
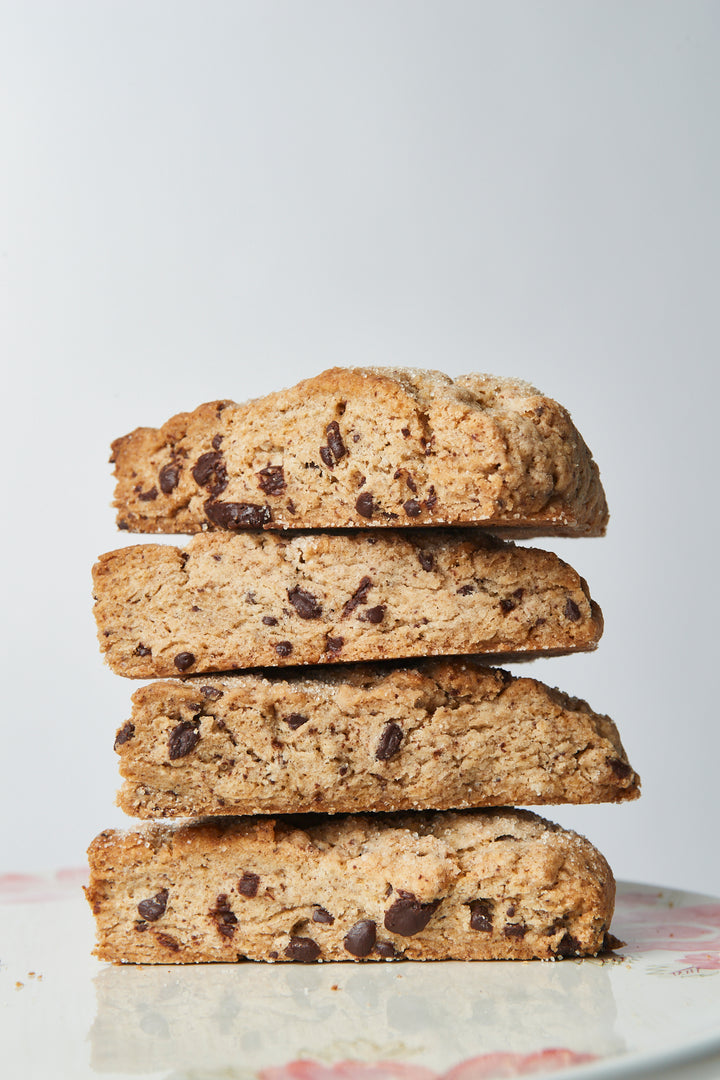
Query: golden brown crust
{"points": [[492, 884], [267, 599], [441, 734], [360, 447]]}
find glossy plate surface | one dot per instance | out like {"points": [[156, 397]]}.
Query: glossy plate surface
{"points": [[64, 1014]]}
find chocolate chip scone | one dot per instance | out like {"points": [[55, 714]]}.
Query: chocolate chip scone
{"points": [[435, 735], [261, 599], [473, 885], [365, 446]]}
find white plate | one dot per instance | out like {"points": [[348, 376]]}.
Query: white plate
{"points": [[66, 1015]]}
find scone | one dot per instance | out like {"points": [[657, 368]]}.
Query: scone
{"points": [[259, 599], [429, 735], [365, 447], [472, 885]]}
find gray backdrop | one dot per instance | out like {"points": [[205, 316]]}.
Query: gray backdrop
{"points": [[214, 199]]}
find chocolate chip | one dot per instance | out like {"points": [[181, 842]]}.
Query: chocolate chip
{"points": [[206, 467], [390, 740], [610, 943], [326, 455], [290, 506], [568, 946], [572, 611], [211, 693], [272, 480], [169, 477], [431, 498], [515, 930], [230, 515], [142, 650], [147, 496], [334, 644], [273, 955], [305, 603], [365, 504], [427, 561], [412, 508], [141, 927], [125, 733], [295, 720], [375, 614], [360, 938], [358, 597], [167, 942], [386, 949], [405, 431], [466, 590], [183, 739], [184, 660], [411, 483], [407, 916], [283, 648], [510, 911], [334, 440], [507, 605], [154, 907], [321, 915], [302, 949], [248, 884], [217, 439], [361, 481], [269, 620], [518, 594], [621, 768], [225, 918], [481, 915]]}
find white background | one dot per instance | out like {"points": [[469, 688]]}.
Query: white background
{"points": [[215, 199]]}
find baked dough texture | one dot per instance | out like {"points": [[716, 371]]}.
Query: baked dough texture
{"points": [[232, 601], [475, 885], [430, 735], [359, 447]]}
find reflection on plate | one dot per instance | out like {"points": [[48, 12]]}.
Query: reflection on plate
{"points": [[657, 1000]]}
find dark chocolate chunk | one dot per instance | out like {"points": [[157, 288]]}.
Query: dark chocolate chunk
{"points": [[481, 915], [431, 500], [405, 432], [273, 955], [572, 611], [360, 938], [167, 941], [411, 483], [365, 504], [154, 907], [169, 477], [390, 740], [225, 918], [334, 440], [148, 496], [305, 603], [211, 693], [248, 884], [427, 560], [125, 733], [334, 644], [375, 614], [142, 650], [466, 590], [206, 467], [358, 597], [518, 594], [326, 455], [230, 515], [184, 660], [518, 930], [386, 949], [295, 720], [269, 620], [183, 739], [283, 648], [412, 508], [290, 506], [141, 927], [217, 439], [407, 916], [272, 480], [621, 768], [568, 946], [507, 605], [302, 949], [610, 942], [322, 915]]}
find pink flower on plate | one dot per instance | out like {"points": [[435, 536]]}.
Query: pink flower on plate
{"points": [[484, 1067], [646, 922], [495, 1066]]}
